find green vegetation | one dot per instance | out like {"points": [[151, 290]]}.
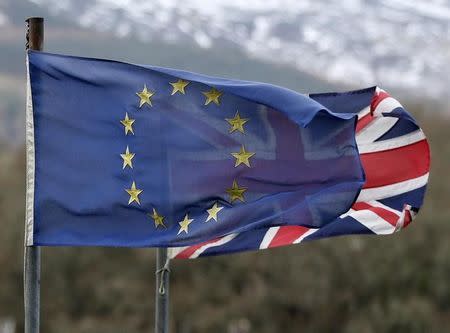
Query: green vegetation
{"points": [[358, 284]]}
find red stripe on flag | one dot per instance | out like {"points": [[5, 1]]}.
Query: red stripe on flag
{"points": [[408, 219], [396, 165], [377, 100], [385, 214], [287, 235], [363, 122], [186, 253]]}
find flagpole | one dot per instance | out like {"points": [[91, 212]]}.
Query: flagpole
{"points": [[162, 291], [32, 254]]}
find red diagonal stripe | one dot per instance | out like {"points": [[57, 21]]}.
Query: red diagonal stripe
{"points": [[385, 214], [377, 100], [186, 253], [364, 121], [396, 165], [287, 235], [408, 219]]}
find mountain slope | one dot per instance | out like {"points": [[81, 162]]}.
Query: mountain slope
{"points": [[394, 43], [69, 38]]}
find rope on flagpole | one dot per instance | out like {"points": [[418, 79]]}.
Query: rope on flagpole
{"points": [[162, 291], [161, 272]]}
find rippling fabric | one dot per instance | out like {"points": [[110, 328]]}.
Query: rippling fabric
{"points": [[141, 156]]}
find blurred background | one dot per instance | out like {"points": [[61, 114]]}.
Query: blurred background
{"points": [[398, 283]]}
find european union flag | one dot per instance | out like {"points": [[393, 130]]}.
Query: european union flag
{"points": [[139, 156]]}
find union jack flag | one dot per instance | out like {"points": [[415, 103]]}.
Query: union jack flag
{"points": [[396, 159]]}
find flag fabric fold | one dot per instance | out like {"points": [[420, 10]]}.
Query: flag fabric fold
{"points": [[141, 156], [396, 159]]}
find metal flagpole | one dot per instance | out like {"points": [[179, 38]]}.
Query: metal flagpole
{"points": [[32, 257], [162, 291], [32, 254]]}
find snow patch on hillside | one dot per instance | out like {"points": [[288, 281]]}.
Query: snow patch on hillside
{"points": [[398, 43]]}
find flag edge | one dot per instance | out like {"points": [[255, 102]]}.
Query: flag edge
{"points": [[30, 162]]}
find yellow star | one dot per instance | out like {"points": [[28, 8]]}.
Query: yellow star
{"points": [[212, 212], [127, 158], [145, 96], [159, 220], [134, 193], [212, 96], [179, 86], [242, 157], [236, 192], [128, 124], [184, 225], [237, 123]]}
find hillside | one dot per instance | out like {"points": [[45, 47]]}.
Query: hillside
{"points": [[68, 38], [398, 44], [352, 284]]}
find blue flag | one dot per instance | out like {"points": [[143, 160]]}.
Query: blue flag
{"points": [[140, 156]]}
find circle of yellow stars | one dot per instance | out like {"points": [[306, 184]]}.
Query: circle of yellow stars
{"points": [[235, 192]]}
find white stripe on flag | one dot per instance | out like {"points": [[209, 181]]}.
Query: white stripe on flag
{"points": [[306, 234], [372, 221], [375, 129], [387, 105], [270, 234], [219, 242], [397, 142], [382, 192], [364, 112], [172, 252], [375, 203]]}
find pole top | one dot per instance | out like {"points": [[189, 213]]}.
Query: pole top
{"points": [[34, 18], [35, 33]]}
